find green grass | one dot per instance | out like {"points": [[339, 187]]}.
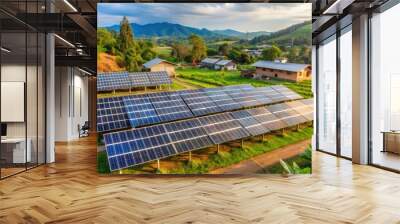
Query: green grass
{"points": [[301, 160], [163, 51], [222, 159], [224, 78], [102, 162], [198, 84]]}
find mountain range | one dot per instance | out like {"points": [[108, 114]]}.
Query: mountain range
{"points": [[166, 29]]}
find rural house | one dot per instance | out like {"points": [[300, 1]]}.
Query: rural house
{"points": [[209, 62], [158, 65], [225, 65], [282, 70], [218, 64]]}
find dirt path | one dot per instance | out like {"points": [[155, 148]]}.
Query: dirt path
{"points": [[259, 162], [185, 84]]}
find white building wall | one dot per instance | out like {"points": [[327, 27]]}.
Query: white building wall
{"points": [[71, 107]]}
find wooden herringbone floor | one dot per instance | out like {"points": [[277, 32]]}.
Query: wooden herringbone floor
{"points": [[70, 191]]}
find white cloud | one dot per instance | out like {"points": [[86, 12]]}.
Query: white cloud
{"points": [[239, 16]]}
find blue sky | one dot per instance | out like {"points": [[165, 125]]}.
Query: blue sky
{"points": [[245, 17]]}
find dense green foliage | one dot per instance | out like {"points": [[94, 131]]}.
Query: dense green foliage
{"points": [[301, 164], [199, 48], [271, 53]]}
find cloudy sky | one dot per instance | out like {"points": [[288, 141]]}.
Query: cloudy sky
{"points": [[238, 16]]}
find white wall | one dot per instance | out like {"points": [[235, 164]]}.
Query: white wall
{"points": [[71, 103]]}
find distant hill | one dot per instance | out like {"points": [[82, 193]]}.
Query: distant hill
{"points": [[167, 30], [296, 34], [242, 35]]}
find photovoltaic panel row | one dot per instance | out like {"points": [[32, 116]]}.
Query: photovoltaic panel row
{"points": [[133, 147], [199, 103], [303, 107], [159, 78], [169, 106], [267, 119], [287, 114], [188, 135], [111, 114], [153, 108], [112, 81], [288, 93], [222, 99], [140, 79], [223, 128], [125, 80], [140, 111], [253, 126]]}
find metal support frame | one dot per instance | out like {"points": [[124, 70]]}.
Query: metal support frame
{"points": [[158, 164], [190, 156]]}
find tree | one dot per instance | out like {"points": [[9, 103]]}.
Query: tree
{"points": [[106, 41], [224, 49], [271, 53], [125, 36], [306, 55], [294, 54], [199, 49], [180, 51]]}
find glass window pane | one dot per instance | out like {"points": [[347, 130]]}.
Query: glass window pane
{"points": [[385, 90], [327, 96], [346, 93]]}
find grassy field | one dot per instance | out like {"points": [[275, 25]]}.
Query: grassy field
{"points": [[163, 51], [301, 160], [206, 160], [224, 78]]}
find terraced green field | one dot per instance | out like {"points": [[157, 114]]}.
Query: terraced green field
{"points": [[224, 78]]}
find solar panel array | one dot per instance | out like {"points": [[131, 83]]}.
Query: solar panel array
{"points": [[125, 80], [132, 147], [111, 114], [147, 109], [112, 81]]}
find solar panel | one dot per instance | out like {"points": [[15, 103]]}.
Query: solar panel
{"points": [[260, 95], [140, 111], [222, 100], [253, 126], [287, 114], [138, 146], [159, 78], [303, 109], [267, 119], [242, 98], [239, 87], [111, 114], [112, 81], [288, 93], [139, 79], [199, 103], [223, 128], [169, 107], [188, 135]]}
